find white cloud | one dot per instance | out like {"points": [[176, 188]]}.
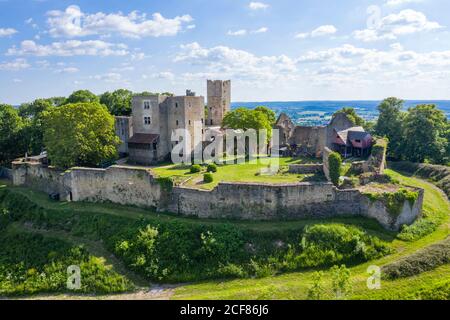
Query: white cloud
{"points": [[17, 80], [7, 32], [241, 32], [234, 63], [74, 23], [70, 48], [244, 32], [111, 77], [318, 32], [258, 6], [394, 3], [394, 25], [15, 65], [261, 30], [68, 70]]}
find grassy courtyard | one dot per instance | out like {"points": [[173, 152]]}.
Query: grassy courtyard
{"points": [[244, 172]]}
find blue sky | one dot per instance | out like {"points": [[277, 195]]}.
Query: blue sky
{"points": [[272, 50]]}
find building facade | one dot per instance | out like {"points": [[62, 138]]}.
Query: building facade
{"points": [[339, 135], [219, 101], [148, 139]]}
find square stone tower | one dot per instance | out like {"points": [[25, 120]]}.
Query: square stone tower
{"points": [[219, 101]]}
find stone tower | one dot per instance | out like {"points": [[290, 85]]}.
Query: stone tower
{"points": [[219, 101]]}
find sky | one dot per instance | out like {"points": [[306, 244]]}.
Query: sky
{"points": [[272, 50]]}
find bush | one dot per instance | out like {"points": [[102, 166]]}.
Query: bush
{"points": [[330, 244], [196, 168], [208, 177], [335, 164], [212, 167], [32, 263], [425, 260]]}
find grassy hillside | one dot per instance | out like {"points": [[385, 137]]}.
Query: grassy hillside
{"points": [[267, 260]]}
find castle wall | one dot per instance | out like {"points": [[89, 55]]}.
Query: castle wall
{"points": [[250, 201]]}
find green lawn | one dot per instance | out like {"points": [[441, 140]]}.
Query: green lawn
{"points": [[245, 172], [295, 285]]}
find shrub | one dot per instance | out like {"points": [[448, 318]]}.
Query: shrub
{"points": [[196, 168], [208, 177], [425, 260], [32, 263], [330, 244], [212, 167], [341, 281], [335, 164]]}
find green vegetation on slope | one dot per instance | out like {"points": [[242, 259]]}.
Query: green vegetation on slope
{"points": [[296, 285], [172, 248], [31, 263]]}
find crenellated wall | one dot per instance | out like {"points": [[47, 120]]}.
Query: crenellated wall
{"points": [[249, 201]]}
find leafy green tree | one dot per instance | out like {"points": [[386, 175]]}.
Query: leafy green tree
{"points": [[80, 134], [352, 115], [425, 131], [390, 124], [271, 116], [118, 102], [243, 118], [341, 281], [82, 96], [11, 134], [316, 291], [34, 130]]}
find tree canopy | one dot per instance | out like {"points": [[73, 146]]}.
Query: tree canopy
{"points": [[245, 119], [80, 134], [82, 96], [12, 143], [390, 124], [118, 102], [425, 134]]}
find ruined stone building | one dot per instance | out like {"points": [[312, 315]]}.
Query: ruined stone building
{"points": [[339, 135], [146, 135], [219, 101]]}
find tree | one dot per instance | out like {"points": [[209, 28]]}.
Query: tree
{"points": [[245, 119], [80, 134], [352, 115], [390, 124], [341, 281], [271, 116], [11, 134], [316, 291], [82, 96], [118, 102], [34, 130], [425, 131]]}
